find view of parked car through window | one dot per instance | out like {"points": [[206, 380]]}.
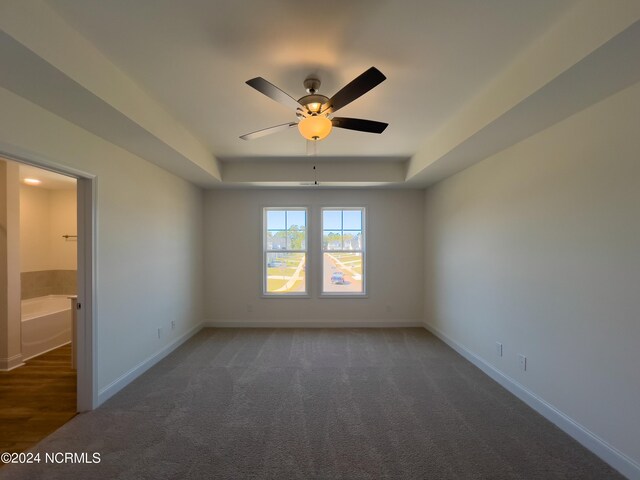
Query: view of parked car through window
{"points": [[342, 251], [286, 257], [337, 278]]}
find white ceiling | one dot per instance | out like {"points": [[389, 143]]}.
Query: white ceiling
{"points": [[165, 79], [50, 180], [194, 56]]}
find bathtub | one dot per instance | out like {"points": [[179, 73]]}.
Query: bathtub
{"points": [[46, 324]]}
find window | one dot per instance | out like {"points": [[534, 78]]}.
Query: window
{"points": [[343, 250], [285, 251]]}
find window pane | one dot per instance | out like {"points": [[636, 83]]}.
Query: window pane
{"points": [[277, 240], [296, 218], [296, 238], [286, 273], [276, 220], [284, 270], [342, 273], [332, 240], [352, 240], [352, 220], [332, 219]]}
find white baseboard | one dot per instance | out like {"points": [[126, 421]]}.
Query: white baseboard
{"points": [[618, 460], [125, 379], [312, 323], [12, 362]]}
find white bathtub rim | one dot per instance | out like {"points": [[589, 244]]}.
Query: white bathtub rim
{"points": [[47, 324], [31, 316]]}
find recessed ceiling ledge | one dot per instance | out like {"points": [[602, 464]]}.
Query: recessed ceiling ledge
{"points": [[343, 172], [576, 37], [89, 90]]}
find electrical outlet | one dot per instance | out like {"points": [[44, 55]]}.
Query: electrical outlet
{"points": [[522, 360], [173, 324], [159, 332], [498, 349], [388, 308]]}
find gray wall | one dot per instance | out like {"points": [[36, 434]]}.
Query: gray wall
{"points": [[149, 236], [538, 247], [233, 258]]}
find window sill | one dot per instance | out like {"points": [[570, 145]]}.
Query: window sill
{"points": [[343, 295], [286, 296]]}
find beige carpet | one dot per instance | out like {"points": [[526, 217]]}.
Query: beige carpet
{"points": [[306, 404]]}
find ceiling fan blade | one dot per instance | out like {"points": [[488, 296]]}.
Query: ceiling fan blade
{"points": [[268, 131], [354, 89], [369, 126], [273, 92]]}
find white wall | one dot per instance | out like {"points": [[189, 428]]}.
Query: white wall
{"points": [[233, 258], [35, 227], [538, 247], [63, 222], [46, 215], [149, 236]]}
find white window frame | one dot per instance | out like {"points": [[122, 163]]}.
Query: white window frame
{"points": [[266, 251], [363, 251]]}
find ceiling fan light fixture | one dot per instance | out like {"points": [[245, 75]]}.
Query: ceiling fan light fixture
{"points": [[314, 107], [314, 112], [315, 127], [313, 103]]}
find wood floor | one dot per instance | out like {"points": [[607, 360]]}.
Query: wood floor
{"points": [[36, 399]]}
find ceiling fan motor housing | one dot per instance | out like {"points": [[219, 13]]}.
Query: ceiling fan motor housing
{"points": [[312, 84], [313, 102]]}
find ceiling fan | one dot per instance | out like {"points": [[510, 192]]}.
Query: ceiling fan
{"points": [[314, 111]]}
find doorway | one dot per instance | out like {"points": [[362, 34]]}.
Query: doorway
{"points": [[46, 323]]}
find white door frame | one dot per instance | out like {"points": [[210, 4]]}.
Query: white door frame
{"points": [[87, 392]]}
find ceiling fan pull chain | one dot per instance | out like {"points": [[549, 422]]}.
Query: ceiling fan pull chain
{"points": [[312, 148]]}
